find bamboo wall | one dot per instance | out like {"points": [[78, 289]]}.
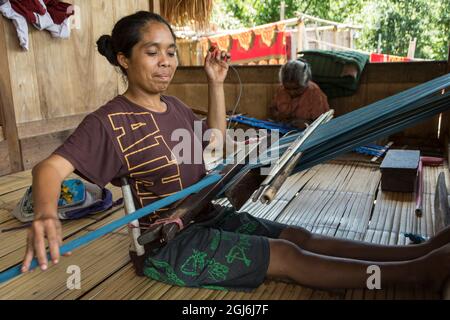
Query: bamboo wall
{"points": [[50, 88]]}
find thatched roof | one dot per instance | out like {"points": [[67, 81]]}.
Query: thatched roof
{"points": [[195, 13]]}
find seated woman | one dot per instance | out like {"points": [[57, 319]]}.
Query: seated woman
{"points": [[131, 136], [298, 100]]}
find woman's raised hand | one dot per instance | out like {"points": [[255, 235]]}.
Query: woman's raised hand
{"points": [[216, 65]]}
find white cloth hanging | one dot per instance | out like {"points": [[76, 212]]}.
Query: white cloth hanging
{"points": [[18, 20], [45, 22]]}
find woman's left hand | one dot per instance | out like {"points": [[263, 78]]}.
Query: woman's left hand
{"points": [[216, 65]]}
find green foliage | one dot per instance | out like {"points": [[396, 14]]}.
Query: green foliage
{"points": [[397, 21]]}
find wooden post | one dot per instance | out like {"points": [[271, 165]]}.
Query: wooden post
{"points": [[448, 58], [379, 43], [412, 48], [7, 106], [302, 41], [294, 45], [282, 10], [156, 6], [316, 32], [445, 133], [351, 43], [335, 35]]}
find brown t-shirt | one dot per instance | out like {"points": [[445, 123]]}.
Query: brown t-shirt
{"points": [[123, 139]]}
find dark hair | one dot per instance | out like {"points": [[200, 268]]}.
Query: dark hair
{"points": [[126, 34], [296, 71]]}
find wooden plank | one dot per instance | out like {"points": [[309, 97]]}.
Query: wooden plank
{"points": [[38, 148], [7, 100], [8, 202], [48, 126], [129, 7], [106, 253], [73, 78], [61, 77], [196, 95], [97, 261], [249, 74], [405, 71], [125, 285], [13, 242], [108, 217], [255, 100], [22, 76], [121, 9], [66, 63], [12, 189], [12, 183], [5, 165], [104, 76], [373, 73]]}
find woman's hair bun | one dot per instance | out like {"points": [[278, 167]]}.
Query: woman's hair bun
{"points": [[105, 47]]}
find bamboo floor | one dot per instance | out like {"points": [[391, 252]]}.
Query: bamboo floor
{"points": [[339, 199]]}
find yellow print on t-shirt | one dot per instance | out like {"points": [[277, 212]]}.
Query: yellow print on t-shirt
{"points": [[149, 159]]}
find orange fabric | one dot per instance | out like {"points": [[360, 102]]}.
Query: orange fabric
{"points": [[308, 106], [268, 35]]}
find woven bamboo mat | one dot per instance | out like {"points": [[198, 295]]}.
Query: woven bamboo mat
{"points": [[97, 261], [13, 243], [15, 181], [126, 285], [336, 199]]}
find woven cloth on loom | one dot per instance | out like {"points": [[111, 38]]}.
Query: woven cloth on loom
{"points": [[364, 125], [329, 70]]}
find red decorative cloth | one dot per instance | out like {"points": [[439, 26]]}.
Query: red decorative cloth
{"points": [[58, 10], [27, 8]]}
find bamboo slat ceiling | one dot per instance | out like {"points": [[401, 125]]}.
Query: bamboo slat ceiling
{"points": [[187, 12]]}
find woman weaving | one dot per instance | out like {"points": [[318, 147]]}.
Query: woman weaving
{"points": [[130, 136]]}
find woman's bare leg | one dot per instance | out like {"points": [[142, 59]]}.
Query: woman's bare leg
{"points": [[327, 272], [360, 250]]}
